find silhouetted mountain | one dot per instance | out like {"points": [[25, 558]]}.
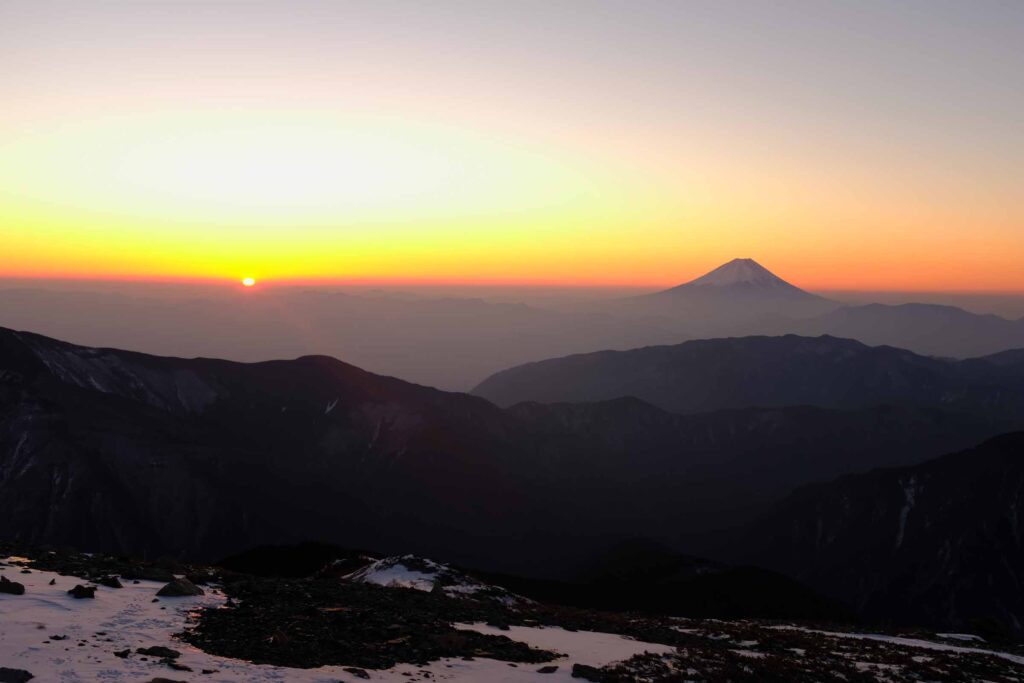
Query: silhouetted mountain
{"points": [[924, 328], [741, 289], [941, 542], [123, 451], [713, 374], [455, 343], [451, 343]]}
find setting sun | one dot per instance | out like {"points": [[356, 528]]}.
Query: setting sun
{"points": [[248, 282]]}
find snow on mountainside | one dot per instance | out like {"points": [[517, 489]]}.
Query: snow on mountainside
{"points": [[740, 271], [742, 277], [410, 571], [124, 374], [740, 291]]}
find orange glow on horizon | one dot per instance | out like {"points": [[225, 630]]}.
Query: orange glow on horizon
{"points": [[639, 284], [339, 146]]}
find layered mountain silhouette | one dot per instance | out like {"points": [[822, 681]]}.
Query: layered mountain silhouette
{"points": [[939, 542], [714, 374], [450, 343], [925, 328], [118, 450], [455, 343]]}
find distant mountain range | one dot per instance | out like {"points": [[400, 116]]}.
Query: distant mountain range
{"points": [[742, 298], [715, 374], [925, 328], [450, 343], [455, 343]]}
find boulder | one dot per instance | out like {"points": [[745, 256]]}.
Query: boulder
{"points": [[159, 651], [80, 592], [14, 675], [11, 587], [587, 673], [179, 588], [109, 582]]}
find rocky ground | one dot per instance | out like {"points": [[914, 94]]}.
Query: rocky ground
{"points": [[408, 619]]}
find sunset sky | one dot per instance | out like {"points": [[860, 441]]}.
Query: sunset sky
{"points": [[855, 145]]}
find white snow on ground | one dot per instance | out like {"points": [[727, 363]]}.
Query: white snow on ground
{"points": [[908, 642], [130, 619], [586, 647], [961, 636]]}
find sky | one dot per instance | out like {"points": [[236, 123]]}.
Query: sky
{"points": [[861, 146]]}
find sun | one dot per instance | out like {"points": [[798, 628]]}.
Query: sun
{"points": [[248, 282]]}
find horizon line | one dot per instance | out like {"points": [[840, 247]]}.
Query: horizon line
{"points": [[272, 283]]}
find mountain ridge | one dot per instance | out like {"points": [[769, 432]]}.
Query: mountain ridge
{"points": [[203, 458], [765, 371]]}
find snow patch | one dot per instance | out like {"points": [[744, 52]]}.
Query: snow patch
{"points": [[410, 571], [961, 636], [909, 493], [588, 647], [741, 271], [907, 642]]}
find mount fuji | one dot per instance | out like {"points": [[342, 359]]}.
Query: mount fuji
{"points": [[741, 272], [741, 289]]}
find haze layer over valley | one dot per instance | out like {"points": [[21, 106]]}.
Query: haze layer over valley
{"points": [[453, 341]]}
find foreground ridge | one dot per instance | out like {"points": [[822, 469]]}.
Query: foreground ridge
{"points": [[326, 628]]}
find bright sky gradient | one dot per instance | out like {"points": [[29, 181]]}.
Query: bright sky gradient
{"points": [[844, 145]]}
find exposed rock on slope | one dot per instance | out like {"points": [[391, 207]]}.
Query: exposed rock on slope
{"points": [[941, 542]]}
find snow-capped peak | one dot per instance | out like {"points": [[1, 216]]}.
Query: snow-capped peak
{"points": [[741, 271]]}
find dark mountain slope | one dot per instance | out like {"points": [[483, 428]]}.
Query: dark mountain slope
{"points": [[940, 542], [632, 468], [716, 374], [172, 455], [122, 451]]}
